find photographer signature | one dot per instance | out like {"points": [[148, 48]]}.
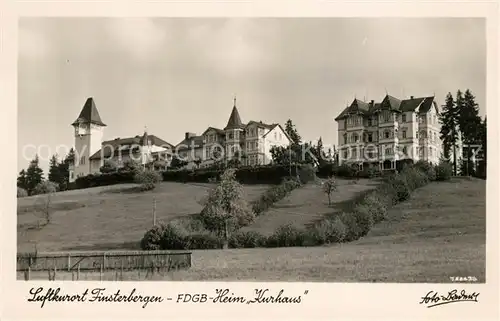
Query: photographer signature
{"points": [[432, 298]]}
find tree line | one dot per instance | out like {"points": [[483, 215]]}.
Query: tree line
{"points": [[28, 179], [462, 126]]}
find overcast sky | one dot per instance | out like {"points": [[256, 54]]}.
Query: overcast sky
{"points": [[178, 75]]}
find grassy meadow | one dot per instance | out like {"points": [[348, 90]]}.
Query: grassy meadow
{"points": [[439, 233]]}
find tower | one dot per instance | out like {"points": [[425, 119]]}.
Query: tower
{"points": [[88, 139], [234, 133]]}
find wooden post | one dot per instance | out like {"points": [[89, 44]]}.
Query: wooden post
{"points": [[72, 275], [55, 271], [154, 211], [69, 262], [29, 273], [50, 277], [100, 273], [121, 271], [78, 272], [104, 261]]}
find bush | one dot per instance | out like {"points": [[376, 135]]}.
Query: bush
{"points": [[377, 206], [443, 171], [274, 194], [329, 231], [21, 192], [175, 237], [286, 236], [247, 239], [148, 179], [109, 166], [204, 241], [415, 178], [427, 169], [353, 231], [131, 165], [93, 180], [152, 239], [364, 218], [401, 188], [45, 187], [345, 171], [307, 174]]}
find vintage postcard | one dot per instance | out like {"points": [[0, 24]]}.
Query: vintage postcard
{"points": [[255, 159]]}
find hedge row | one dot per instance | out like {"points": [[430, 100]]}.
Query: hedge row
{"points": [[245, 175], [351, 171], [343, 227]]}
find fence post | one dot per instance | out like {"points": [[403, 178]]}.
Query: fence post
{"points": [[55, 271], [100, 273], [121, 271], [69, 262], [78, 272]]}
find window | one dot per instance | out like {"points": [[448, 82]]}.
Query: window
{"points": [[355, 138], [354, 153], [369, 121], [345, 138], [388, 151], [345, 154], [430, 151], [417, 135], [82, 160], [404, 133], [405, 151], [387, 134], [370, 137], [72, 175], [275, 135], [230, 136], [403, 118], [421, 152], [387, 117]]}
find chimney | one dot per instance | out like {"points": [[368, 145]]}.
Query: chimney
{"points": [[411, 97], [189, 135]]}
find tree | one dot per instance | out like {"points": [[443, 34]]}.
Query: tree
{"points": [[292, 132], [197, 162], [34, 175], [482, 152], [177, 163], [449, 128], [330, 186], [226, 208], [55, 171], [469, 123], [64, 169], [22, 180]]}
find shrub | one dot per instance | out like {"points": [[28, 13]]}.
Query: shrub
{"points": [[131, 165], [21, 192], [401, 188], [443, 171], [152, 239], [247, 239], [329, 231], [274, 194], [45, 187], [203, 241], [307, 174], [286, 236], [427, 168], [345, 171], [364, 218], [93, 180], [377, 206], [353, 231], [414, 178], [109, 166], [148, 179]]}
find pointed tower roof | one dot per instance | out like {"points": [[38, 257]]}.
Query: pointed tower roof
{"points": [[144, 139], [234, 120], [89, 114]]}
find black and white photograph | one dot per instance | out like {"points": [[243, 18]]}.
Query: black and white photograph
{"points": [[252, 149]]}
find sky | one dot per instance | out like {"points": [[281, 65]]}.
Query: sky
{"points": [[177, 75]]}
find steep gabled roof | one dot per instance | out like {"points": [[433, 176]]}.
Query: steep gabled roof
{"points": [[234, 120], [89, 114], [196, 141], [217, 130]]}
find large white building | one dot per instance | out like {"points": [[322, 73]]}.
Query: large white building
{"points": [[380, 134], [250, 143]]}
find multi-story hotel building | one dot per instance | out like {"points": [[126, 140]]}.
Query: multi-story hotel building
{"points": [[379, 134]]}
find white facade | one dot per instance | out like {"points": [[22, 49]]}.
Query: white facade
{"points": [[379, 135]]}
